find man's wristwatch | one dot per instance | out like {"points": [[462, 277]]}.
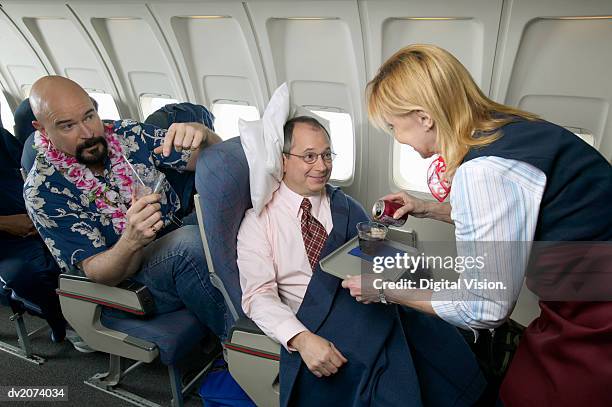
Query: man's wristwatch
{"points": [[381, 296]]}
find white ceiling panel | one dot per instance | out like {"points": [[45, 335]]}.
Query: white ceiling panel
{"points": [[314, 41], [463, 37], [466, 28], [59, 38], [67, 50], [135, 50], [554, 59], [216, 49], [317, 48], [19, 64]]}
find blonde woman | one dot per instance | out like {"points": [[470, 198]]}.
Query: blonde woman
{"points": [[509, 177]]}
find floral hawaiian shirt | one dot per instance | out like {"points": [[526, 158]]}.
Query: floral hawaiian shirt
{"points": [[68, 219]]}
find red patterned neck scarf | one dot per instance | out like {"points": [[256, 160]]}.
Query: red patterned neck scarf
{"points": [[438, 185]]}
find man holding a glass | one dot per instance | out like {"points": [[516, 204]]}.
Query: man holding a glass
{"points": [[336, 351], [105, 211]]}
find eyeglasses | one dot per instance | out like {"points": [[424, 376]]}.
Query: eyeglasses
{"points": [[311, 158]]}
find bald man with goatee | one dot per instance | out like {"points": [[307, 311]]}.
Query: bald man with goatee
{"points": [[85, 196]]}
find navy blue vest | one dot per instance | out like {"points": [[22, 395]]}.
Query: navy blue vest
{"points": [[577, 200]]}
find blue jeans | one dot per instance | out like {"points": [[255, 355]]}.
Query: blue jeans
{"points": [[175, 271]]}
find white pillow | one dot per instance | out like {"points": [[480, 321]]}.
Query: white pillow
{"points": [[263, 141]]}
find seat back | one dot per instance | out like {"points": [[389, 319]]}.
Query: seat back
{"points": [[23, 121], [180, 113], [182, 182], [224, 195], [222, 182], [28, 154]]}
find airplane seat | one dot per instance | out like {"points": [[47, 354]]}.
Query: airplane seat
{"points": [[23, 121], [5, 296], [222, 182], [183, 183], [24, 132], [10, 149], [174, 333], [28, 154], [28, 306], [19, 306], [142, 338]]}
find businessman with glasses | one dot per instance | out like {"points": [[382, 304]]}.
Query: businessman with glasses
{"points": [[352, 354], [279, 250]]}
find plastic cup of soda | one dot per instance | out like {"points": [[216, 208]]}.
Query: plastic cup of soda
{"points": [[371, 236]]}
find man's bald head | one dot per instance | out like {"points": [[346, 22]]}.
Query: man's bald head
{"points": [[47, 90], [66, 115]]}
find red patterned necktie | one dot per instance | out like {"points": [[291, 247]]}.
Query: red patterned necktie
{"points": [[313, 233]]}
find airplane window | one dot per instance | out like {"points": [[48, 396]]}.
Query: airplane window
{"points": [[8, 120], [409, 169], [343, 143], [107, 109], [150, 103], [227, 115]]}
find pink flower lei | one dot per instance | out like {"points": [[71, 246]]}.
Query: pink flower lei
{"points": [[107, 200]]}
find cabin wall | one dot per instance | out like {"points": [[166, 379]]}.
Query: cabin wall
{"points": [[551, 57]]}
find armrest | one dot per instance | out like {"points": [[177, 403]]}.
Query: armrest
{"points": [[253, 360], [128, 296], [246, 325], [246, 337], [82, 299]]}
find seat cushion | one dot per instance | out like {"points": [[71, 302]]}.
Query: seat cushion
{"points": [[224, 198], [28, 305], [174, 333]]}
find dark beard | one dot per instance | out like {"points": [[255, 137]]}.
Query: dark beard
{"points": [[96, 157]]}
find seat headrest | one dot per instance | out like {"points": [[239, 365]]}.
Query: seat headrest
{"points": [[182, 183], [23, 121], [180, 113], [222, 180], [28, 155]]}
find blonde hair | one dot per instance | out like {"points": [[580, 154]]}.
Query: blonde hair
{"points": [[428, 78]]}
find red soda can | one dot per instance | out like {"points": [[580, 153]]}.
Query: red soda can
{"points": [[383, 211]]}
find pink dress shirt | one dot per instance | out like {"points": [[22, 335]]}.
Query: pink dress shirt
{"points": [[274, 267]]}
